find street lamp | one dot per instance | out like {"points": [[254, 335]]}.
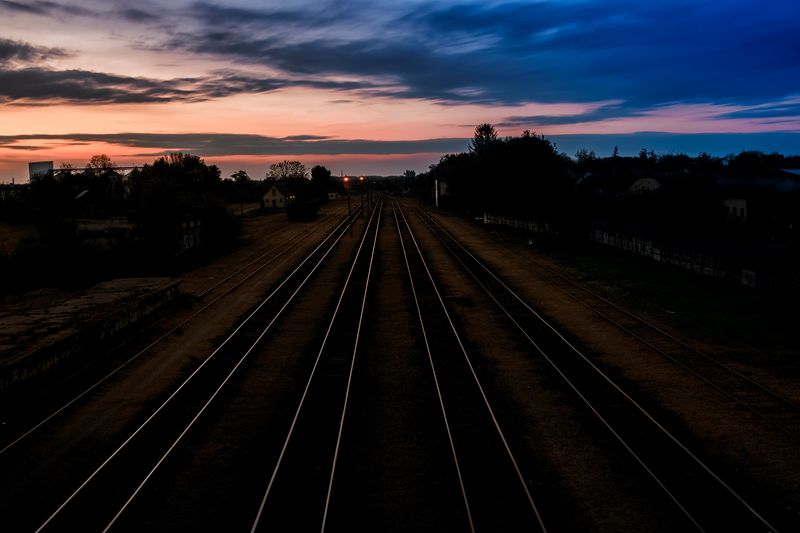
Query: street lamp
{"points": [[347, 188]]}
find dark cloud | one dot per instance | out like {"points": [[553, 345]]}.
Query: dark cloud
{"points": [[43, 8], [22, 147], [24, 8], [37, 86], [641, 53], [601, 113], [20, 52], [136, 15], [514, 52], [407, 70], [645, 53], [325, 14], [219, 144], [56, 9]]}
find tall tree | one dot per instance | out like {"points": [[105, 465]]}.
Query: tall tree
{"points": [[321, 176], [242, 180], [484, 137], [100, 165], [240, 177], [287, 170]]}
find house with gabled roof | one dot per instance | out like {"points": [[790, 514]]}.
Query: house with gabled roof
{"points": [[276, 197]]}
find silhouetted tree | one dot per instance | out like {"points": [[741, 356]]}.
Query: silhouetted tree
{"points": [[484, 138], [585, 160], [176, 188], [242, 181], [240, 176], [100, 165], [321, 176], [287, 170]]}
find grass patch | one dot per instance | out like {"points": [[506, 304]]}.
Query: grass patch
{"points": [[718, 310]]}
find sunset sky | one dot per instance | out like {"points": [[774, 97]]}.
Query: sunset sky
{"points": [[377, 87]]}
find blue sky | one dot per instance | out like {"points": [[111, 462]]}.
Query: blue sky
{"points": [[379, 78]]}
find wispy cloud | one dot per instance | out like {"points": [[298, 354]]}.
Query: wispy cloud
{"points": [[223, 144]]}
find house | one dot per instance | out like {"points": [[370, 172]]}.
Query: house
{"points": [[736, 209], [276, 197], [769, 205]]}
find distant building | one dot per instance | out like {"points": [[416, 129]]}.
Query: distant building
{"points": [[736, 208], [276, 197], [768, 205], [12, 190], [39, 169]]}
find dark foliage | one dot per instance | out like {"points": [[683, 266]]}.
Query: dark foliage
{"points": [[523, 176], [321, 177], [176, 190], [679, 197]]}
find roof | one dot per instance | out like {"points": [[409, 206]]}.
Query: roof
{"points": [[761, 185], [283, 189]]}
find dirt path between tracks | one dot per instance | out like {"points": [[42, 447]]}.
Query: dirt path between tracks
{"points": [[732, 439]]}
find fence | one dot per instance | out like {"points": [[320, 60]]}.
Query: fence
{"points": [[692, 260], [532, 225]]}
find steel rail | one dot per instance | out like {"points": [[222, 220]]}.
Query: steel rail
{"points": [[668, 335], [221, 385], [144, 350], [578, 392], [352, 366], [687, 367], [195, 372], [599, 372], [304, 395], [435, 375], [299, 237], [719, 388], [475, 377], [642, 320]]}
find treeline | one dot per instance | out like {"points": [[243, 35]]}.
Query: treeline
{"points": [[528, 177], [514, 175], [176, 189], [143, 219]]}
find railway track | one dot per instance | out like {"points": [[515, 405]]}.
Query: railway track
{"points": [[495, 491], [255, 265], [279, 424], [105, 492], [772, 407], [698, 493], [304, 474], [42, 410]]}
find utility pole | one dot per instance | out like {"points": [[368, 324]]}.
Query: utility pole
{"points": [[362, 182], [347, 188]]}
